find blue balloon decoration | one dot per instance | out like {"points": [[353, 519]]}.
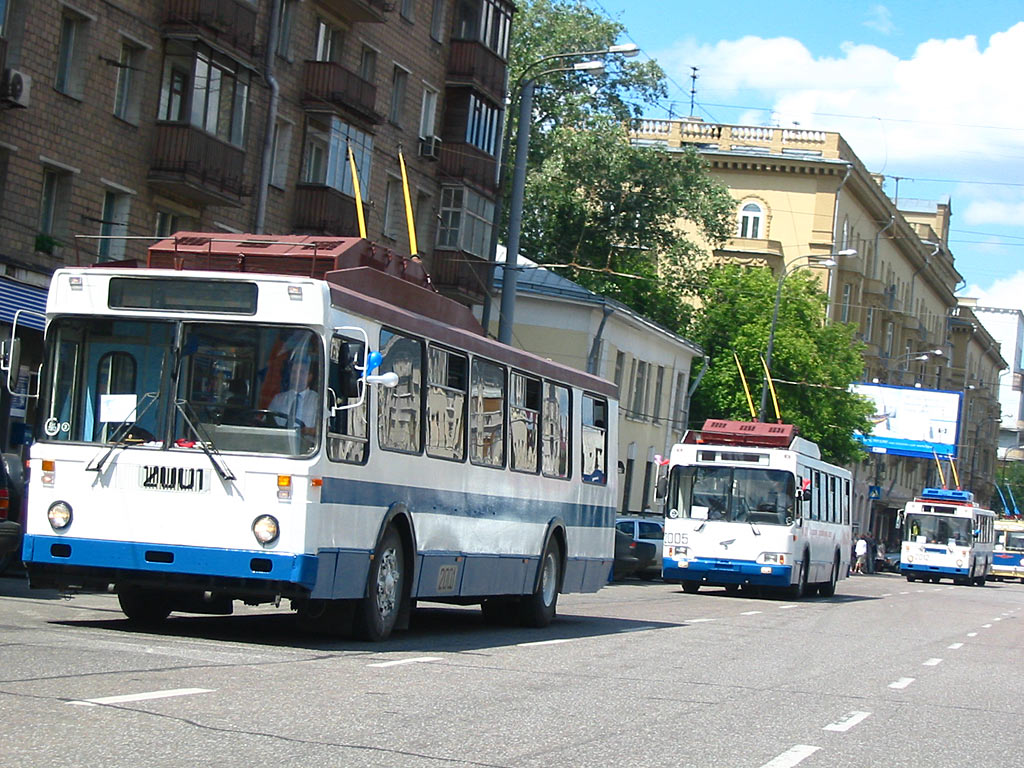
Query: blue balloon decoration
{"points": [[373, 361]]}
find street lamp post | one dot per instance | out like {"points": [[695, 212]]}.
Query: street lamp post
{"points": [[820, 261], [515, 215]]}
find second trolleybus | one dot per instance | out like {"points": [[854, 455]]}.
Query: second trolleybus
{"points": [[946, 535]]}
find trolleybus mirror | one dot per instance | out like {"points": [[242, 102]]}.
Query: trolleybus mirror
{"points": [[10, 361], [661, 488]]}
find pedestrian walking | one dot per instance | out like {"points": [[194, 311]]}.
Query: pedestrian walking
{"points": [[861, 551]]}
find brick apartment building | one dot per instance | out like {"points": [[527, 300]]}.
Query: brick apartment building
{"points": [[132, 119]]}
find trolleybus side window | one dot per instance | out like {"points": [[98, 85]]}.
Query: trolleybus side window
{"points": [[447, 386], [557, 434], [595, 440], [846, 502], [399, 407], [524, 423], [348, 432], [486, 414]]}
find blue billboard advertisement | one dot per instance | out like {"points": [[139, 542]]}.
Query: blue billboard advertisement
{"points": [[909, 421]]}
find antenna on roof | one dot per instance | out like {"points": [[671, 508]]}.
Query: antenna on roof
{"points": [[693, 87]]}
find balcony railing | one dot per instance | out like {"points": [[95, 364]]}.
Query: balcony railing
{"points": [[232, 22], [324, 210], [329, 83], [465, 162], [797, 142], [359, 10], [197, 164], [472, 63], [460, 275]]}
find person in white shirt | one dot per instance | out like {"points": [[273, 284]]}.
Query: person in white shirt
{"points": [[297, 405], [862, 555]]}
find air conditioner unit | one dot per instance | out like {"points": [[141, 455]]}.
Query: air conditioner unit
{"points": [[430, 147], [15, 88]]}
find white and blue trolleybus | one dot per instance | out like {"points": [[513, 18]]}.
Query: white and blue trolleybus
{"points": [[754, 505], [946, 535], [306, 419], [1008, 550]]}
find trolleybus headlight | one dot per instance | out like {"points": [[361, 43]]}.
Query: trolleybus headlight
{"points": [[265, 529], [59, 515]]}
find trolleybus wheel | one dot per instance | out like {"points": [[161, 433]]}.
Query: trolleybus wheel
{"points": [[143, 606], [799, 589], [691, 587], [538, 609], [828, 588], [377, 613]]}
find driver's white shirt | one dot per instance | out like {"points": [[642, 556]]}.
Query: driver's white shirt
{"points": [[305, 408]]}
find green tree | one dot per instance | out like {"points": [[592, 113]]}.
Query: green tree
{"points": [[1010, 480], [594, 201], [813, 362]]}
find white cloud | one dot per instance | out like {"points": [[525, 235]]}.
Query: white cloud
{"points": [[1007, 292], [880, 20], [980, 212]]}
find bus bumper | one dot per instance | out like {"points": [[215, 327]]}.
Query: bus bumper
{"points": [[724, 572], [913, 569], [65, 562]]}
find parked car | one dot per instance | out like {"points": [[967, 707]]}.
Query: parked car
{"points": [[631, 556], [12, 483], [648, 530]]}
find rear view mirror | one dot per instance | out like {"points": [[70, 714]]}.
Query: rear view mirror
{"points": [[10, 361], [661, 488]]}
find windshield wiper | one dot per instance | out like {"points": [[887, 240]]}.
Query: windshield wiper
{"points": [[205, 441], [121, 432], [754, 528]]}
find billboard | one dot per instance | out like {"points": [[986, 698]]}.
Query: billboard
{"points": [[909, 421]]}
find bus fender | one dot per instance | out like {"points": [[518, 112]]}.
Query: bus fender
{"points": [[556, 527], [398, 515]]}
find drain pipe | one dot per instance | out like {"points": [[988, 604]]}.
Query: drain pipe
{"points": [[595, 348], [274, 24]]}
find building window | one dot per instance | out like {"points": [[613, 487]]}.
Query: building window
{"points": [[486, 21], [844, 312], [325, 155], [659, 384], [424, 215], [869, 325], [211, 89], [169, 223], [368, 64], [640, 390], [888, 339], [71, 54], [53, 208], [751, 220], [284, 30], [428, 112], [394, 207], [437, 20], [466, 221], [399, 83], [329, 40], [679, 415], [408, 10], [114, 225], [129, 77], [483, 125], [279, 153], [620, 363]]}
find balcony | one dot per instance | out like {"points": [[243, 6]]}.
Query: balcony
{"points": [[471, 63], [747, 249], [231, 23], [459, 275], [465, 162], [764, 140], [193, 163], [323, 210], [367, 11], [326, 83]]}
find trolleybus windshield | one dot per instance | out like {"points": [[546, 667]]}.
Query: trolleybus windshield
{"points": [[733, 494]]}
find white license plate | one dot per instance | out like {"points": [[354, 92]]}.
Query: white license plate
{"points": [[187, 479]]}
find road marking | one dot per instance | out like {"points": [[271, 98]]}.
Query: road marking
{"points": [[931, 663], [986, 626], [141, 696], [547, 642], [997, 619], [955, 646], [903, 682], [787, 607], [697, 621], [416, 660], [848, 722], [887, 594], [904, 593], [972, 634], [791, 756], [749, 613]]}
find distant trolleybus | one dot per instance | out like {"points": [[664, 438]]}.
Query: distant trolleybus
{"points": [[946, 535], [752, 504], [305, 419], [1008, 550]]}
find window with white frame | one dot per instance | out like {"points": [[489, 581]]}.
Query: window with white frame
{"points": [[486, 21], [869, 325], [428, 112], [325, 155], [751, 220], [465, 221], [329, 40], [71, 51], [399, 84], [114, 224], [844, 312], [483, 125], [888, 339], [211, 91], [127, 91], [53, 207]]}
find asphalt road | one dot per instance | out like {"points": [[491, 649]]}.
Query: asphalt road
{"points": [[884, 674]]}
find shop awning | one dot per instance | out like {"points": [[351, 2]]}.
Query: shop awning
{"points": [[15, 296]]}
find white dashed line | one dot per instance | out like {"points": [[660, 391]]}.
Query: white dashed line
{"points": [[697, 621], [141, 696], [786, 607], [986, 626], [749, 613], [848, 722], [955, 646], [999, 618], [546, 642], [903, 682], [887, 594], [791, 756], [972, 634], [931, 663], [417, 660]]}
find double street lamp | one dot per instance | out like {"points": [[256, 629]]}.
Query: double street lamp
{"points": [[827, 260], [515, 216]]}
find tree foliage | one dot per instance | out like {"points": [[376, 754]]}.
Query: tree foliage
{"points": [[813, 362], [593, 200]]}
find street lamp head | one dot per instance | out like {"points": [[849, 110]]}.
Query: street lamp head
{"points": [[829, 263], [847, 252], [628, 50], [590, 67]]}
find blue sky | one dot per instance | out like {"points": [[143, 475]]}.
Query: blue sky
{"points": [[925, 93]]}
